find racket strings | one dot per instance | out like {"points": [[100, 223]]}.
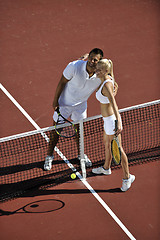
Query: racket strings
{"points": [[116, 151], [68, 131]]}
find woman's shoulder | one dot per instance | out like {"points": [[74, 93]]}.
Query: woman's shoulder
{"points": [[108, 80], [109, 77]]}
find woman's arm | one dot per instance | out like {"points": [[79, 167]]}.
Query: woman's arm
{"points": [[109, 93]]}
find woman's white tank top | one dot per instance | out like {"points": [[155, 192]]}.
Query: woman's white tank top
{"points": [[100, 97]]}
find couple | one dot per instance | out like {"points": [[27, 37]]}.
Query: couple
{"points": [[79, 80]]}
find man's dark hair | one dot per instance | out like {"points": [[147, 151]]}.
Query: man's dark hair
{"points": [[96, 51]]}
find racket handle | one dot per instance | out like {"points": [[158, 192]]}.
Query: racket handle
{"points": [[116, 125]]}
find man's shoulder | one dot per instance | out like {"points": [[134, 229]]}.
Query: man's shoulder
{"points": [[77, 63], [74, 68]]}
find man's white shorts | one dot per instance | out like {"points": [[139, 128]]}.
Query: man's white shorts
{"points": [[76, 113], [109, 124]]}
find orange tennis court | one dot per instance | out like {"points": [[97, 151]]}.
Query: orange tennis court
{"points": [[38, 39]]}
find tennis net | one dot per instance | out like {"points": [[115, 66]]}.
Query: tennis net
{"points": [[22, 156]]}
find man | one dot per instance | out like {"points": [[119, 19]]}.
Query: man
{"points": [[77, 83]]}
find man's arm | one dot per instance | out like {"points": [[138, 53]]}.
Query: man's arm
{"points": [[115, 88], [84, 57], [59, 90]]}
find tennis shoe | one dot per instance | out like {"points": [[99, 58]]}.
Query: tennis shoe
{"points": [[48, 163], [126, 183], [88, 162], [101, 170]]}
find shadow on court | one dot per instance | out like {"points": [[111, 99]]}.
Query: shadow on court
{"points": [[41, 206]]}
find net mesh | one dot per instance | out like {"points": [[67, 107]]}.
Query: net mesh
{"points": [[140, 135], [22, 156]]}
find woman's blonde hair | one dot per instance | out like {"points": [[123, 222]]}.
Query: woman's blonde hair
{"points": [[108, 64]]}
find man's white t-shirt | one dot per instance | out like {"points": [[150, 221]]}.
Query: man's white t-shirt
{"points": [[80, 86]]}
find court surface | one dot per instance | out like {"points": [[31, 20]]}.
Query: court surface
{"points": [[39, 38]]}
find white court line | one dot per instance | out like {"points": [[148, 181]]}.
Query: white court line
{"points": [[19, 107], [88, 186]]}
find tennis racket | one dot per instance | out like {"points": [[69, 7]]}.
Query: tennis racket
{"points": [[67, 131], [115, 147]]}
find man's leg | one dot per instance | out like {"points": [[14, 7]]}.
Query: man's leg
{"points": [[54, 137], [53, 140]]}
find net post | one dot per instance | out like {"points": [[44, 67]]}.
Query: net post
{"points": [[81, 146]]}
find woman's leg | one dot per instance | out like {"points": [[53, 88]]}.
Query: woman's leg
{"points": [[128, 179], [124, 160], [108, 155]]}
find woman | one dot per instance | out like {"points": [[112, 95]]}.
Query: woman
{"points": [[109, 110]]}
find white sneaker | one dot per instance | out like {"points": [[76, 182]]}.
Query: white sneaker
{"points": [[48, 163], [88, 162], [126, 183], [101, 170]]}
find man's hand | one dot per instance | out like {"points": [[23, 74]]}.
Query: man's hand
{"points": [[55, 105], [84, 57], [115, 89]]}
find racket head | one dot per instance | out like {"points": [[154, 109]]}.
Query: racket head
{"points": [[116, 151], [66, 130], [64, 127]]}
